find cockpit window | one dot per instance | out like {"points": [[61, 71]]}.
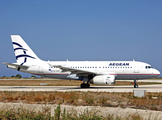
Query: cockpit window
{"points": [[148, 67]]}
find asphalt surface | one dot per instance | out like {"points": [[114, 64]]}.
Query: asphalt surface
{"points": [[149, 88], [145, 80]]}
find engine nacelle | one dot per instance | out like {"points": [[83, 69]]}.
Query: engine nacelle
{"points": [[103, 79]]}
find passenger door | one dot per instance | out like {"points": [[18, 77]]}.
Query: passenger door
{"points": [[136, 68]]}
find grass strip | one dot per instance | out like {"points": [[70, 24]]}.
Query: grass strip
{"points": [[152, 101], [21, 114]]}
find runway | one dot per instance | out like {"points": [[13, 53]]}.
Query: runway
{"points": [[149, 88]]}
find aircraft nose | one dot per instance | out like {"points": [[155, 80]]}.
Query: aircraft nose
{"points": [[157, 72]]}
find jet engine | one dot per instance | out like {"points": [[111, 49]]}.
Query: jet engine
{"points": [[103, 79]]}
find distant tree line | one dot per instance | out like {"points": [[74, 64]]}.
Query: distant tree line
{"points": [[18, 76]]}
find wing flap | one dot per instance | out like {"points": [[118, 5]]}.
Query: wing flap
{"points": [[73, 70]]}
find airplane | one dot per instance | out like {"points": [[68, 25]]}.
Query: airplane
{"points": [[90, 72]]}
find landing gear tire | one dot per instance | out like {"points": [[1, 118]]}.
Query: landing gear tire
{"points": [[135, 83], [135, 86], [83, 85]]}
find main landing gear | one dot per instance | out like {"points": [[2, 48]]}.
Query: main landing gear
{"points": [[85, 85], [135, 84]]}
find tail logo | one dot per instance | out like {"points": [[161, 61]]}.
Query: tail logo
{"points": [[22, 55]]}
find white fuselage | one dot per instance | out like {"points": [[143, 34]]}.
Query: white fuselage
{"points": [[122, 70]]}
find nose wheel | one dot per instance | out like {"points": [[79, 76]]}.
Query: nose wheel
{"points": [[135, 84]]}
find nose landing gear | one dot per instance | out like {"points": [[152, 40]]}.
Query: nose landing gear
{"points": [[135, 84]]}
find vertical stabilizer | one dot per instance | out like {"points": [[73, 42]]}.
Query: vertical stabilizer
{"points": [[22, 51]]}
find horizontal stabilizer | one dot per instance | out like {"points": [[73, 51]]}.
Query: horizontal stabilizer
{"points": [[15, 66]]}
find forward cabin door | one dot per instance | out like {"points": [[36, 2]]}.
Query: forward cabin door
{"points": [[136, 68]]}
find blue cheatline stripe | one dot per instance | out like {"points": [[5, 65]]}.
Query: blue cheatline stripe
{"points": [[24, 56], [20, 49], [16, 44]]}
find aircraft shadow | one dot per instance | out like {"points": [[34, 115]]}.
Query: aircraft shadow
{"points": [[117, 88], [78, 87]]}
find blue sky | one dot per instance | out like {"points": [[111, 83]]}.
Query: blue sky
{"points": [[94, 30]]}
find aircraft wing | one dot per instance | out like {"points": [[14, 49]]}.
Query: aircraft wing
{"points": [[15, 66], [74, 71]]}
